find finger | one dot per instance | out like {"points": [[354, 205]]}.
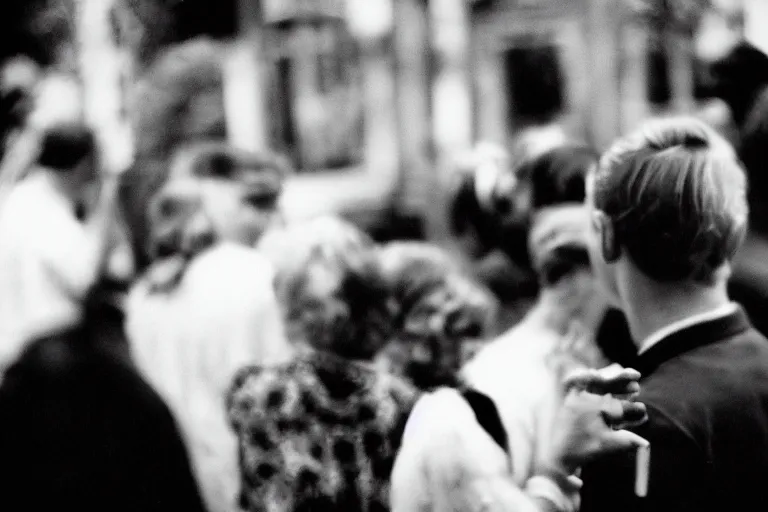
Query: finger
{"points": [[610, 382], [612, 412], [617, 372], [635, 414], [580, 379], [623, 414], [621, 440]]}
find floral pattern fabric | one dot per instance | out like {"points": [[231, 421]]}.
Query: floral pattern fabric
{"points": [[319, 433]]}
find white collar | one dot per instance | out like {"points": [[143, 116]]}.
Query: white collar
{"points": [[679, 325]]}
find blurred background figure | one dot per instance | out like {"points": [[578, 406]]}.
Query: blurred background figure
{"points": [[522, 370], [81, 429], [53, 244], [443, 315], [289, 248], [19, 77], [740, 78], [241, 189], [205, 307], [455, 449], [321, 432], [179, 102]]}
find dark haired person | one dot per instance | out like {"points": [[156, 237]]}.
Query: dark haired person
{"points": [[241, 190], [461, 450], [206, 307], [522, 369], [669, 211], [81, 430], [500, 212], [443, 314], [741, 79], [49, 255]]}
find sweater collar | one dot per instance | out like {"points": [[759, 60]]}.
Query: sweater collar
{"points": [[691, 337]]}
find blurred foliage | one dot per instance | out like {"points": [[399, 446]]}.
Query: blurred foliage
{"points": [[676, 14]]}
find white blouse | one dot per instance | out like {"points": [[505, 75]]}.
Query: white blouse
{"points": [[190, 342], [448, 463]]}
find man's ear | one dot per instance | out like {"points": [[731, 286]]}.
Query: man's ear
{"points": [[607, 233]]}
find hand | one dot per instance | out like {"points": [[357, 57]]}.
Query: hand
{"points": [[614, 380], [586, 428]]}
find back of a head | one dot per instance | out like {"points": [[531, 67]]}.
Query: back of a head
{"points": [[65, 145], [739, 76], [676, 196], [425, 280], [330, 286], [414, 268], [291, 247]]}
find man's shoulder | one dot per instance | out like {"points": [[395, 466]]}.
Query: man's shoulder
{"points": [[736, 359], [718, 378]]}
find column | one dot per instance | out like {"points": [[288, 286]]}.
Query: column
{"points": [[634, 78], [604, 67], [492, 105], [411, 48], [101, 67], [245, 91], [681, 71], [451, 100]]}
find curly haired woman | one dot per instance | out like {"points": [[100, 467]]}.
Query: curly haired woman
{"points": [[321, 432]]}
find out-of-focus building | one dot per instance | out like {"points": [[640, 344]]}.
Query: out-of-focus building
{"points": [[374, 99]]}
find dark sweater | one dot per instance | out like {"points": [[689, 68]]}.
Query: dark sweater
{"points": [[706, 389], [80, 430]]}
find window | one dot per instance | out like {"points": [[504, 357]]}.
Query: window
{"points": [[535, 83], [659, 85], [317, 115]]}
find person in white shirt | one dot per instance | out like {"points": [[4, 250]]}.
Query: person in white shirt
{"points": [[522, 370], [49, 256], [455, 453], [206, 306]]}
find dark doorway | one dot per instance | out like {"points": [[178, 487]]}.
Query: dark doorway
{"points": [[535, 83]]}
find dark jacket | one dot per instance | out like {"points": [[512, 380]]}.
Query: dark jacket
{"points": [[80, 430], [706, 389]]}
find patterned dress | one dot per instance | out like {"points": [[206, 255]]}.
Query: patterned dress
{"points": [[319, 433]]}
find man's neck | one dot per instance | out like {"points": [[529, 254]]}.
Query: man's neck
{"points": [[652, 307]]}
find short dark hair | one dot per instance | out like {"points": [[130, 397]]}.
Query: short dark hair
{"points": [[563, 262], [676, 195], [738, 77], [215, 159], [559, 175], [65, 145], [418, 271]]}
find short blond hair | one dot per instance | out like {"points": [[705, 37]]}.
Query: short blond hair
{"points": [[676, 194]]}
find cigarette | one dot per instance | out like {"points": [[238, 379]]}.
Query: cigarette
{"points": [[642, 470]]}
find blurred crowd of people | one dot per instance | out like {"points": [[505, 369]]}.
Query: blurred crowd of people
{"points": [[192, 351]]}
